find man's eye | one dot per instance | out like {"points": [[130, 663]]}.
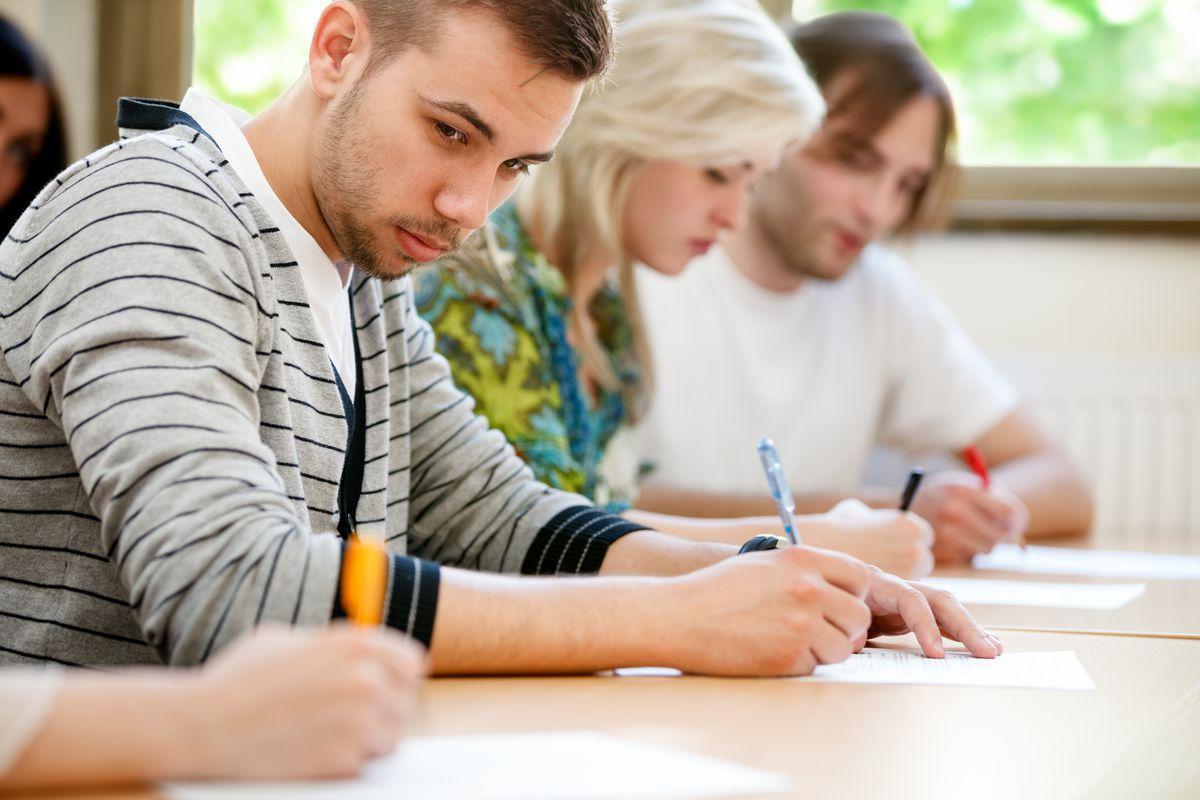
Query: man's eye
{"points": [[517, 167], [450, 133], [716, 176], [858, 159]]}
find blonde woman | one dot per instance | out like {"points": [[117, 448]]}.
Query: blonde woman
{"points": [[539, 318]]}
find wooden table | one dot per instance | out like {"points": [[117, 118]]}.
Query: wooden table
{"points": [[1131, 737], [851, 741], [846, 741], [1167, 608]]}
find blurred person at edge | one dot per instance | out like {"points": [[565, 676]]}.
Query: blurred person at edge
{"points": [[32, 134]]}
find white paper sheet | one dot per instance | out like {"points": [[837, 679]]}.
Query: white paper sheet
{"points": [[571, 765], [1038, 670], [1094, 563], [1106, 596]]}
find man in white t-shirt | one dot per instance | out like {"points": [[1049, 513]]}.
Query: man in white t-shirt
{"points": [[798, 327]]}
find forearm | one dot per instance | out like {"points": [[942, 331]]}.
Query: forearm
{"points": [[817, 530], [136, 727], [691, 503], [1057, 497], [496, 624], [669, 550]]}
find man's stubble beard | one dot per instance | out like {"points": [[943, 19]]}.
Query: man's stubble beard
{"points": [[791, 252], [342, 182]]}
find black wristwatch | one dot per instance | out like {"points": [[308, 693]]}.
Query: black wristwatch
{"points": [[763, 542]]}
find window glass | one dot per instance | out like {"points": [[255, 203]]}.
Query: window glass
{"points": [[1061, 81], [248, 52]]}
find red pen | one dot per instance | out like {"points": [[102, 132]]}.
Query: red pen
{"points": [[974, 459]]}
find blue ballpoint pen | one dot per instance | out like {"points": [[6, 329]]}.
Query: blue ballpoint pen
{"points": [[779, 488]]}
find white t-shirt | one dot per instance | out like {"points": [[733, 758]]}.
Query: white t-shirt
{"points": [[325, 282], [829, 372]]}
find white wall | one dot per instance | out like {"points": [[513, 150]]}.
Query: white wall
{"points": [[1102, 333], [1068, 294], [66, 32]]}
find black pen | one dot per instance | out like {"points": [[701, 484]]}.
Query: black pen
{"points": [[910, 488]]}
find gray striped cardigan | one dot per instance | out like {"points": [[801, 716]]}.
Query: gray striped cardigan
{"points": [[172, 435]]}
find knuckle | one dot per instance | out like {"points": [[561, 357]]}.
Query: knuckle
{"points": [[802, 622], [795, 556], [936, 596], [805, 592]]}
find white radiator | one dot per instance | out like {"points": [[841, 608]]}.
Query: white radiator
{"points": [[1133, 427]]}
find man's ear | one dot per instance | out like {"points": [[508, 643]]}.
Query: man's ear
{"points": [[338, 52]]}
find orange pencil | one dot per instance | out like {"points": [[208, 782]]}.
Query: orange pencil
{"points": [[364, 575]]}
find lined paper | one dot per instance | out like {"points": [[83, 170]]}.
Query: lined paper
{"points": [[570, 765], [1037, 670], [986, 592], [1093, 563]]}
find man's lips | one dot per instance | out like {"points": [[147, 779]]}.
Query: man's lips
{"points": [[420, 248], [848, 242]]}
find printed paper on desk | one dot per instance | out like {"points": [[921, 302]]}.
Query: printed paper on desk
{"points": [[1092, 563], [1100, 596], [525, 766], [1036, 670]]}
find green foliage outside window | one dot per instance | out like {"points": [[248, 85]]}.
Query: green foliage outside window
{"points": [[248, 52], [1062, 81], [1036, 81]]}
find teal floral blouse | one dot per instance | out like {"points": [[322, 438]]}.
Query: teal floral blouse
{"points": [[501, 318]]}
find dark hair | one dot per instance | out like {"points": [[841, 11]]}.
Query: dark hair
{"points": [[19, 59], [888, 70], [571, 38]]}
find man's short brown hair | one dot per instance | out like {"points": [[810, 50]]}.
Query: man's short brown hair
{"points": [[570, 38]]}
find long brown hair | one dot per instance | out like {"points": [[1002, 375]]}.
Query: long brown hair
{"points": [[886, 70]]}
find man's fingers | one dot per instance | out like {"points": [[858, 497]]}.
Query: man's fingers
{"points": [[959, 543], [846, 613], [830, 645], [403, 658], [919, 617], [922, 525], [996, 507], [985, 529], [958, 624]]}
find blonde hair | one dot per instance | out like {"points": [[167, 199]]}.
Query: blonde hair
{"points": [[705, 82]]}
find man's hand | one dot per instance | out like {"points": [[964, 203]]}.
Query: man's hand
{"points": [[900, 606], [966, 519], [784, 612], [779, 612], [895, 541]]}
